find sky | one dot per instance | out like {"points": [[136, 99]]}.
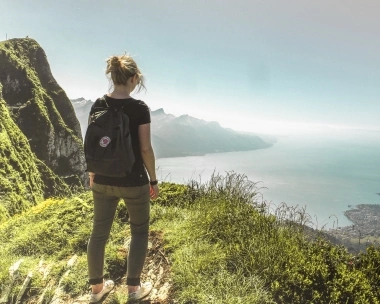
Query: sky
{"points": [[252, 65]]}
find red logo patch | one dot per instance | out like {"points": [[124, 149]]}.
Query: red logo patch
{"points": [[104, 141]]}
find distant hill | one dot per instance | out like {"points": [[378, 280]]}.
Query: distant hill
{"points": [[185, 135]]}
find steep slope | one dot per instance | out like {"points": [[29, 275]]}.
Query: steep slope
{"points": [[21, 182], [41, 109]]}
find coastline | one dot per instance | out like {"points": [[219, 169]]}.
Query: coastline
{"points": [[364, 231], [189, 154]]}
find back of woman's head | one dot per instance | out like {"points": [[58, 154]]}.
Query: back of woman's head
{"points": [[123, 67]]}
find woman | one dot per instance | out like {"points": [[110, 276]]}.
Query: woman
{"points": [[135, 189]]}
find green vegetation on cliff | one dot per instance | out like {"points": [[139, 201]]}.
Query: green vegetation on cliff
{"points": [[219, 242], [42, 111], [40, 147], [22, 185]]}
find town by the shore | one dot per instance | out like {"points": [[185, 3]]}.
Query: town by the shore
{"points": [[365, 228]]}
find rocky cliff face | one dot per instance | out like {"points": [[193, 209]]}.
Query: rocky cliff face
{"points": [[24, 179], [41, 110]]}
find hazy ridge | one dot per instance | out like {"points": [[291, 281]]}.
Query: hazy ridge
{"points": [[185, 135]]}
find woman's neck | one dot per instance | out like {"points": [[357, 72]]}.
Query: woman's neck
{"points": [[120, 92]]}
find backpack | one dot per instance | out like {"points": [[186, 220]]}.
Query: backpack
{"points": [[107, 143]]}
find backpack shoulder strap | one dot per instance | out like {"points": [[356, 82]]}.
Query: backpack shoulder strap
{"points": [[103, 102], [99, 105]]}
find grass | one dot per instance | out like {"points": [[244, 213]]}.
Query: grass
{"points": [[223, 243], [225, 230]]}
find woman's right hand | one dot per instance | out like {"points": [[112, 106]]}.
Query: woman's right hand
{"points": [[154, 191]]}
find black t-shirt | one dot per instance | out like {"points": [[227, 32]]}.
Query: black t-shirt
{"points": [[139, 114]]}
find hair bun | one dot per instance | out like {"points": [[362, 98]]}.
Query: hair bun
{"points": [[115, 61]]}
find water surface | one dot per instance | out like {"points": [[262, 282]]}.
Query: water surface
{"points": [[323, 174]]}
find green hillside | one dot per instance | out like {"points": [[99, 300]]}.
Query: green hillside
{"points": [[21, 179], [41, 109], [40, 147], [209, 243]]}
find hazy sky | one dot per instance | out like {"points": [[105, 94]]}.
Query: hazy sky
{"points": [[251, 65]]}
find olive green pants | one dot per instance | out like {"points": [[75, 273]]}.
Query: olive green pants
{"points": [[106, 199]]}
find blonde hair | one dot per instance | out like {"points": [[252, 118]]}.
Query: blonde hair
{"points": [[123, 67]]}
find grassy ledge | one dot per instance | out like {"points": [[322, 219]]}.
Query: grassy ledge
{"points": [[209, 243]]}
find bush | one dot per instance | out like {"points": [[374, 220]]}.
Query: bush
{"points": [[228, 228]]}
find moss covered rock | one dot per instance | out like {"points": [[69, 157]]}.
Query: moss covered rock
{"points": [[41, 152], [20, 180], [41, 109]]}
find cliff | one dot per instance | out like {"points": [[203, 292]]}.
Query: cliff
{"points": [[41, 146], [24, 179], [41, 109]]}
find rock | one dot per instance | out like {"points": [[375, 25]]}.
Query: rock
{"points": [[41, 109]]}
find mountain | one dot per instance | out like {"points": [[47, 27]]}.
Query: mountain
{"points": [[185, 135], [82, 108], [41, 147]]}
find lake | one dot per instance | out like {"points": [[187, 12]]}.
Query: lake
{"points": [[325, 174]]}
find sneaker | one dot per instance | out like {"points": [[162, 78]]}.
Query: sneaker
{"points": [[107, 287], [142, 292]]}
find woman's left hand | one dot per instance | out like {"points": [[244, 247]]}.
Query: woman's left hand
{"points": [[154, 191], [91, 175]]}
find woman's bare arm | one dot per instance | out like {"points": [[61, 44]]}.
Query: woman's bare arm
{"points": [[147, 155]]}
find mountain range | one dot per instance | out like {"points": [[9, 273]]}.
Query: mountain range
{"points": [[174, 136]]}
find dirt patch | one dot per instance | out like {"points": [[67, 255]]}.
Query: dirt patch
{"points": [[156, 270]]}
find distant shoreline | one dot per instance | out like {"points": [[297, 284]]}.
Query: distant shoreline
{"points": [[365, 229], [210, 153]]}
